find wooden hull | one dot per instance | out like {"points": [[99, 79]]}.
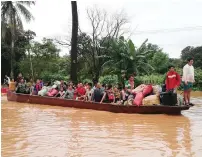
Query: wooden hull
{"points": [[158, 109]]}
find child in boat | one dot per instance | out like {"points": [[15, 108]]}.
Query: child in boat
{"points": [[108, 96], [172, 80]]}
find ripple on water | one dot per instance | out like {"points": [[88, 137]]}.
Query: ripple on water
{"points": [[38, 131]]}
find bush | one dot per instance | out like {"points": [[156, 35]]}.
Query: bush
{"points": [[109, 79], [53, 77], [198, 79], [159, 79], [151, 79], [86, 80]]}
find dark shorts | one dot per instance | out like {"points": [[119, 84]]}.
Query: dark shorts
{"points": [[188, 86]]}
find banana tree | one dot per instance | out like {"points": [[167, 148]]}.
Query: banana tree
{"points": [[136, 58], [124, 57]]}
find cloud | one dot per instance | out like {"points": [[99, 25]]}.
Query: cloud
{"points": [[53, 18]]}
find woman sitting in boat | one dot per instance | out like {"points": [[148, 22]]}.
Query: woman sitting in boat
{"points": [[37, 87], [69, 94], [108, 96], [61, 93], [62, 85]]}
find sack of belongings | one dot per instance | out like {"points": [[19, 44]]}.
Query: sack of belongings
{"points": [[138, 89], [147, 90], [180, 100], [157, 89], [57, 83], [138, 99], [43, 92], [151, 100]]}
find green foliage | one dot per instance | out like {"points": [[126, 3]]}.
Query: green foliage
{"points": [[198, 79], [45, 61], [109, 79], [11, 20], [160, 62], [53, 77], [193, 52], [151, 79], [86, 81]]}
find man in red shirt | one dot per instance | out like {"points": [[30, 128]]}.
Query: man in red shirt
{"points": [[80, 92], [172, 79]]}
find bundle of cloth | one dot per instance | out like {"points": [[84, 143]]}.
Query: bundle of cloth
{"points": [[49, 90], [44, 90], [140, 92], [146, 95]]}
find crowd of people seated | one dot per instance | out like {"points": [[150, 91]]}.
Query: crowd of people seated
{"points": [[100, 93], [127, 93]]}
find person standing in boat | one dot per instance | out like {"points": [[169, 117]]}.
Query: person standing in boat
{"points": [[172, 80], [188, 80]]}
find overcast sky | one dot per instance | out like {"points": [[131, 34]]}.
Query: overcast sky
{"points": [[53, 19]]}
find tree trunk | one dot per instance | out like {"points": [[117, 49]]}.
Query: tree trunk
{"points": [[73, 71], [13, 63]]}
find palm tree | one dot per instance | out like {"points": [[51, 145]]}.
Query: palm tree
{"points": [[73, 73], [11, 13]]}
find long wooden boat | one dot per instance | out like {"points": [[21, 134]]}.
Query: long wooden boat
{"points": [[155, 109]]}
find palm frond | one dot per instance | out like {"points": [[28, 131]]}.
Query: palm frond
{"points": [[28, 3], [19, 24], [147, 65], [25, 12]]}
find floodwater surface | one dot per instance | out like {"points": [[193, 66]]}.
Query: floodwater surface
{"points": [[48, 131]]}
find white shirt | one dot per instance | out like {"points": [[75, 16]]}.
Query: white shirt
{"points": [[188, 73]]}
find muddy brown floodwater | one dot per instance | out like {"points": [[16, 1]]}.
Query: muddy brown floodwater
{"points": [[47, 131]]}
